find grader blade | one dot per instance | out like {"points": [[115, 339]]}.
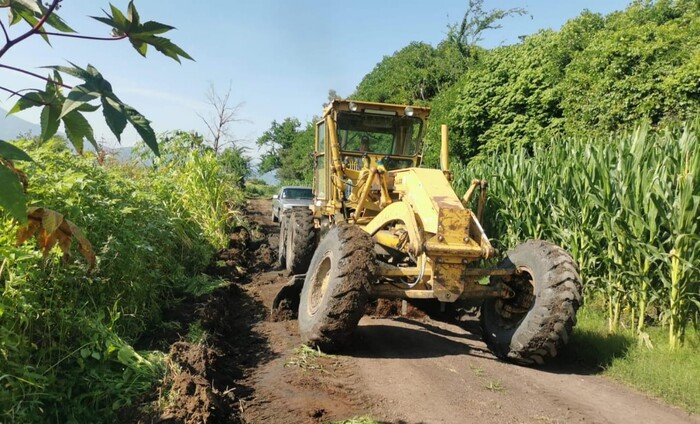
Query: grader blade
{"points": [[287, 299]]}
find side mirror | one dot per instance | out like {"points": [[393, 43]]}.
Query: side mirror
{"points": [[274, 196]]}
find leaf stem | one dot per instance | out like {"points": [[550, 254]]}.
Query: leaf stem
{"points": [[84, 37], [17, 93], [12, 68]]}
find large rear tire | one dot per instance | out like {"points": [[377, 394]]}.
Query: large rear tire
{"points": [[535, 324], [335, 288], [301, 240]]}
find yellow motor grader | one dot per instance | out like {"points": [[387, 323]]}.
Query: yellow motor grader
{"points": [[383, 227]]}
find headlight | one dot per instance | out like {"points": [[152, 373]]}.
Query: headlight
{"points": [[409, 111], [353, 106]]}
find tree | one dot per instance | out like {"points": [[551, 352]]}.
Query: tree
{"points": [[68, 109], [404, 77], [221, 118], [475, 21], [234, 161], [289, 150]]}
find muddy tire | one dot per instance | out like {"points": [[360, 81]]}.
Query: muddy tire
{"points": [[300, 240], [282, 244], [536, 323], [335, 288]]}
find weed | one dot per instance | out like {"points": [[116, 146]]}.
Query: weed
{"points": [[305, 357], [494, 386], [197, 334], [479, 372], [356, 420]]}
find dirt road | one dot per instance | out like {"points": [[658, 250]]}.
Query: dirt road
{"points": [[403, 370]]}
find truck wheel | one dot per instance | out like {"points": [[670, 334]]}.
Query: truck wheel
{"points": [[335, 288], [282, 244], [301, 240], [533, 325]]}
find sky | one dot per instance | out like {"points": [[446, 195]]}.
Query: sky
{"points": [[279, 58]]}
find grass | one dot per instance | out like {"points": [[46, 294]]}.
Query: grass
{"points": [[197, 334], [306, 358], [356, 420], [669, 374], [259, 188], [494, 386]]}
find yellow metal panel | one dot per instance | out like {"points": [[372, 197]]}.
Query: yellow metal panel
{"points": [[428, 191]]}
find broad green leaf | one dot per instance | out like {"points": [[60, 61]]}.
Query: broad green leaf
{"points": [[20, 11], [87, 107], [78, 96], [140, 46], [77, 128], [141, 35], [121, 22], [9, 151], [50, 116], [167, 47], [75, 71], [33, 99], [55, 21], [153, 27], [132, 15], [143, 127], [32, 5], [12, 197], [107, 21], [114, 116]]}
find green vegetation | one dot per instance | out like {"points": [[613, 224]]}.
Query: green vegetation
{"points": [[57, 108], [255, 187], [596, 75], [628, 211], [289, 151], [648, 364], [67, 335], [306, 358]]}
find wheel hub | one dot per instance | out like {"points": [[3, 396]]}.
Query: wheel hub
{"points": [[319, 284]]}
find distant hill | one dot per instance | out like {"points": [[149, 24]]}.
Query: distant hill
{"points": [[11, 126]]}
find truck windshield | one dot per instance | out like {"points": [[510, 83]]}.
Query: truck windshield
{"points": [[297, 193], [384, 134]]}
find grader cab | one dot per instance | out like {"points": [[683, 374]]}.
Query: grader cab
{"points": [[383, 227]]}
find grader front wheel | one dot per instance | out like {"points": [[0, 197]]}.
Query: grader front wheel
{"points": [[535, 323], [334, 293]]}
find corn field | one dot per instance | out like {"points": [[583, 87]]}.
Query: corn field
{"points": [[626, 208]]}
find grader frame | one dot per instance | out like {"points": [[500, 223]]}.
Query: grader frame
{"points": [[425, 242]]}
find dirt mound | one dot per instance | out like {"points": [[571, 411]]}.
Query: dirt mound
{"points": [[195, 398], [206, 383], [206, 387], [387, 308]]}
